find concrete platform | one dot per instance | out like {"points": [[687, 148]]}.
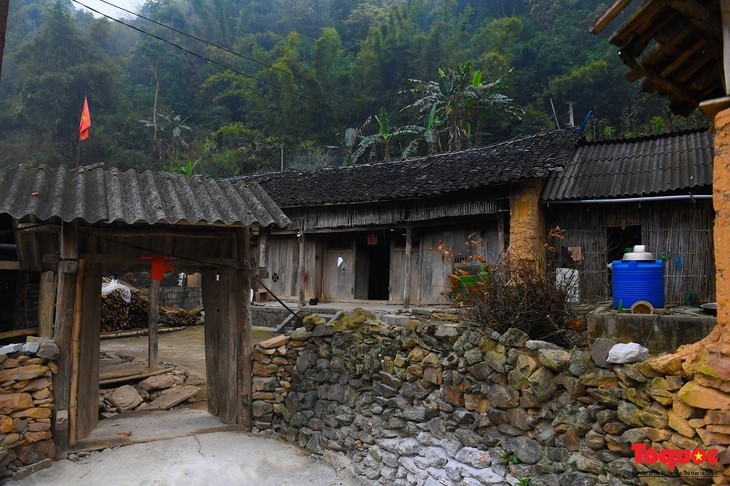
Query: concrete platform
{"points": [[660, 333], [149, 426]]}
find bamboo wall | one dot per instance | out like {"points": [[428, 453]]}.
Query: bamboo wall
{"points": [[668, 228]]}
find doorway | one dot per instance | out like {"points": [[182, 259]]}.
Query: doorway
{"points": [[378, 283], [619, 240]]}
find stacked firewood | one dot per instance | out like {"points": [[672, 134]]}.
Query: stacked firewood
{"points": [[119, 315]]}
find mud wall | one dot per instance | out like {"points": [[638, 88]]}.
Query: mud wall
{"points": [[442, 404]]}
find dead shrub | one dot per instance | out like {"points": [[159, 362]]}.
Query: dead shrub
{"points": [[527, 300]]}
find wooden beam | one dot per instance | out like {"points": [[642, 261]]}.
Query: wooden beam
{"points": [[700, 16], [9, 265], [106, 232], [655, 79], [608, 16], [725, 11], [407, 269], [46, 309]]}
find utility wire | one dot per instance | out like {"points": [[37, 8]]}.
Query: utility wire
{"points": [[217, 63], [237, 54]]}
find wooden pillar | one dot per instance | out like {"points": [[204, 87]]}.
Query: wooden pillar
{"points": [[210, 284], [46, 304], [63, 331], [300, 276], [246, 335], [407, 269], [153, 323], [87, 416]]}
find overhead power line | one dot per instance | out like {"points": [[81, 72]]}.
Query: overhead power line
{"points": [[217, 63], [237, 54]]}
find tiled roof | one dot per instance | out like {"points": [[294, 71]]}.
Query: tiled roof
{"points": [[510, 161], [110, 195], [638, 167]]}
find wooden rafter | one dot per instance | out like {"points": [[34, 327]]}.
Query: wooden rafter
{"points": [[700, 16], [656, 80], [608, 16]]}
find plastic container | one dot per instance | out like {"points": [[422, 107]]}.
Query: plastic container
{"points": [[637, 280]]}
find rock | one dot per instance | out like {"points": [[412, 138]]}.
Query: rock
{"points": [[260, 408], [514, 338], [36, 452], [480, 371], [599, 351], [696, 395], [323, 330], [157, 382], [436, 457], [306, 360], [23, 373], [172, 396], [312, 321], [452, 395], [30, 347], [48, 349], [433, 375], [11, 348], [536, 344], [594, 440], [503, 396], [580, 363], [32, 413], [496, 360], [628, 413], [473, 355], [408, 447], [542, 384], [627, 353], [554, 359], [474, 457], [527, 450], [275, 342], [475, 403], [589, 464], [714, 364], [417, 414], [125, 397], [15, 401]]}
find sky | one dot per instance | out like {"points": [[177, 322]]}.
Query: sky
{"points": [[133, 5]]}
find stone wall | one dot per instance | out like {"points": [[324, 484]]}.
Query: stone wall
{"points": [[443, 404], [26, 405], [181, 297]]}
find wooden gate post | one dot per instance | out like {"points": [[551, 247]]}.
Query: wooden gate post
{"points": [[63, 330], [243, 283]]}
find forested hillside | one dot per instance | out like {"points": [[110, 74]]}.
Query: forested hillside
{"points": [[227, 87]]}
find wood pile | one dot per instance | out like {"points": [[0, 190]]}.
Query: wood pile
{"points": [[119, 315]]}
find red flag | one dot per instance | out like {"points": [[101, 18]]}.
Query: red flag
{"points": [[85, 121]]}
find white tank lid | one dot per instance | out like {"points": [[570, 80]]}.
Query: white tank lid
{"points": [[639, 253]]}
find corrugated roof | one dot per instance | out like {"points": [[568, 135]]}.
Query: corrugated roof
{"points": [[637, 167], [109, 195], [510, 161]]}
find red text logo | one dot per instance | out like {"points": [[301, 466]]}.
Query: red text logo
{"points": [[672, 457]]}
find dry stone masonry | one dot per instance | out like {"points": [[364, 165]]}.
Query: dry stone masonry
{"points": [[26, 405], [452, 404]]}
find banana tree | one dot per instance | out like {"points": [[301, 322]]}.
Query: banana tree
{"points": [[449, 104], [384, 136]]}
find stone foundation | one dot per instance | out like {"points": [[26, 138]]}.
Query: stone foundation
{"points": [[429, 404], [26, 404]]}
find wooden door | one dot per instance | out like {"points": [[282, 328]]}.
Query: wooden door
{"points": [[397, 266], [339, 274]]}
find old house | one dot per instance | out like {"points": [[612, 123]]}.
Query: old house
{"points": [[655, 191], [72, 226], [366, 232]]}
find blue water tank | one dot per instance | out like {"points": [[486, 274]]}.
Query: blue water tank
{"points": [[635, 280]]}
